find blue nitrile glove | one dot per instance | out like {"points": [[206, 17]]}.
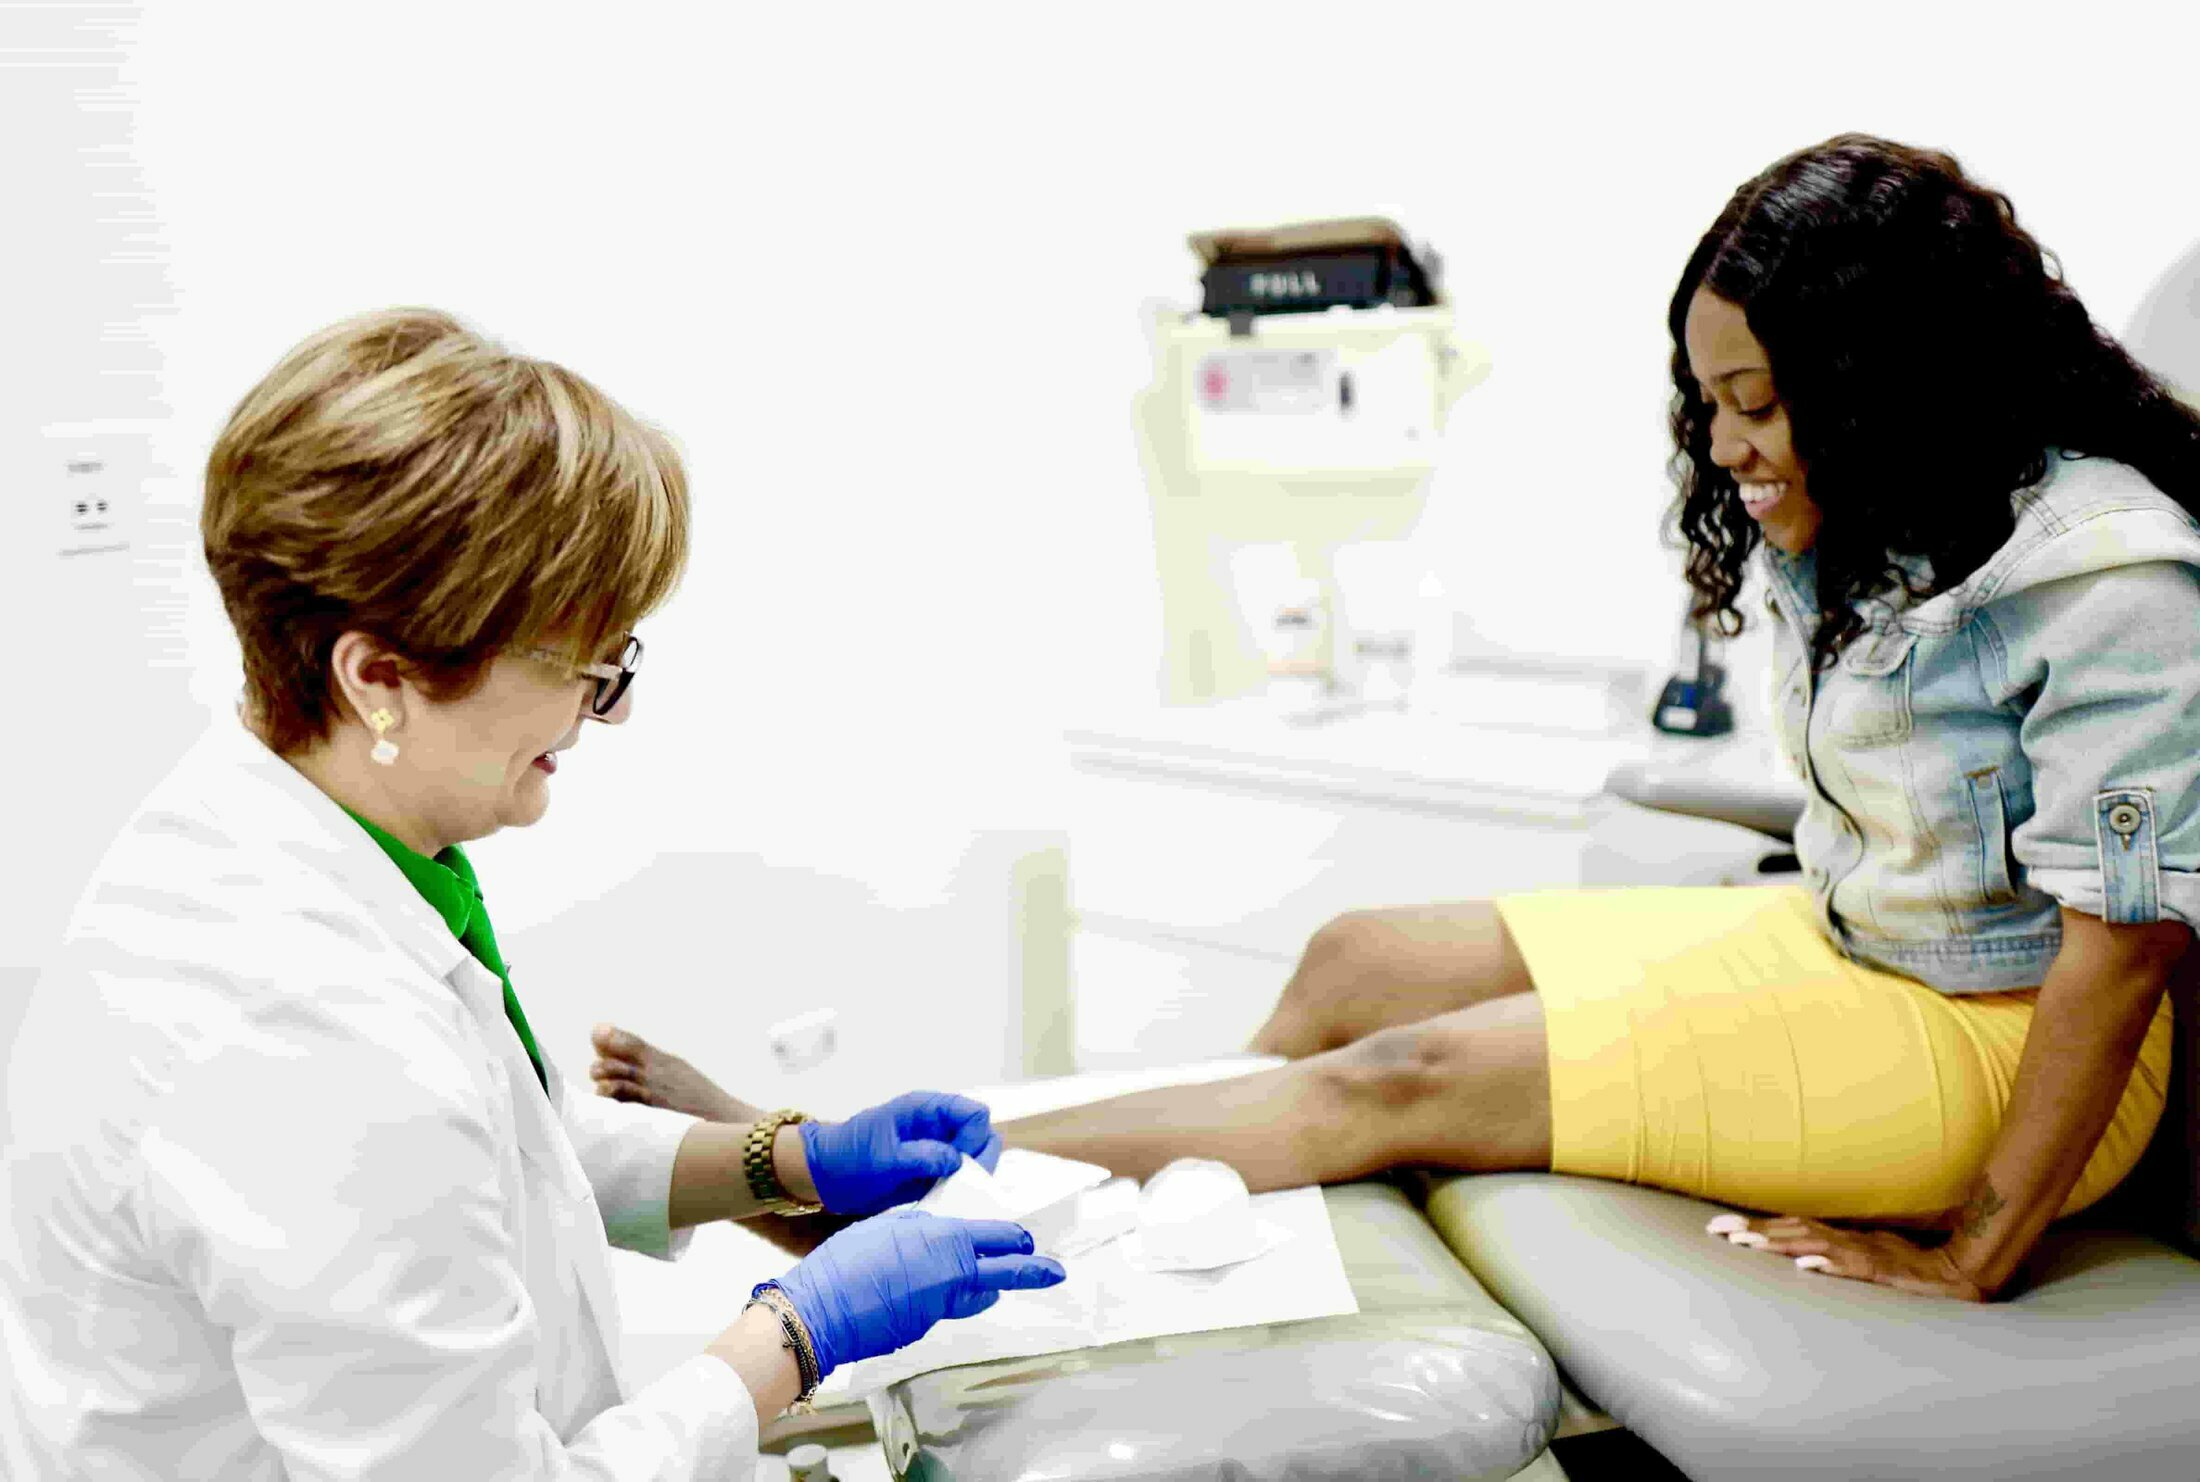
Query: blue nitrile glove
{"points": [[881, 1284], [894, 1153]]}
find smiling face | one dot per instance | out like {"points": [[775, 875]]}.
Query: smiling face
{"points": [[485, 762], [465, 768], [1750, 433]]}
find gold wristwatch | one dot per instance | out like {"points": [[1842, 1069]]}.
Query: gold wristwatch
{"points": [[763, 1176]]}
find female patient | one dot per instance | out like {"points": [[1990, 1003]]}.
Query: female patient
{"points": [[1967, 511]]}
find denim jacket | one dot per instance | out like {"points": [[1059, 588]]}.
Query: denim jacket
{"points": [[2027, 740]]}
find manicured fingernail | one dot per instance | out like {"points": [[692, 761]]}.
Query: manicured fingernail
{"points": [[1750, 1238], [1726, 1224], [1813, 1263]]}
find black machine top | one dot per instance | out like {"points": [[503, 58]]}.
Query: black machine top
{"points": [[1361, 263]]}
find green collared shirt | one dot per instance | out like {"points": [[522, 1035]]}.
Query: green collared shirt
{"points": [[447, 883]]}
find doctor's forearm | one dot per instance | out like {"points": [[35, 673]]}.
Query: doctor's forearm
{"points": [[709, 1183], [754, 1349], [2091, 1017]]}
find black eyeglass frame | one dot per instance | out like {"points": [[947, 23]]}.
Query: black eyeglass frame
{"points": [[612, 680]]}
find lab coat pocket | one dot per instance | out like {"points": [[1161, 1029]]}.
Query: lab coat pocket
{"points": [[569, 1271], [569, 1277], [1866, 696]]}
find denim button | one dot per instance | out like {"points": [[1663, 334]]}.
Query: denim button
{"points": [[2124, 819]]}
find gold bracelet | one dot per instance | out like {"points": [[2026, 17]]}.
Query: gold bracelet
{"points": [[763, 1175], [796, 1337]]}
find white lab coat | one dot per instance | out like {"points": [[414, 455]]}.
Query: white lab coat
{"points": [[283, 1198]]}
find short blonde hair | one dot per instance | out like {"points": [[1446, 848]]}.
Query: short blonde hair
{"points": [[400, 475]]}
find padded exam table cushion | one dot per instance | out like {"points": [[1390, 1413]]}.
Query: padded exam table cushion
{"points": [[1736, 1365], [1430, 1379]]}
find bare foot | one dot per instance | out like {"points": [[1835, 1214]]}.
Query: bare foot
{"points": [[629, 1068]]}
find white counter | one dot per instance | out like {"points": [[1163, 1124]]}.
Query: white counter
{"points": [[1208, 844]]}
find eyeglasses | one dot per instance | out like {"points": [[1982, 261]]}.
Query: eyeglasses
{"points": [[611, 679]]}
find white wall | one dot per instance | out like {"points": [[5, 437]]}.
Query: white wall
{"points": [[93, 692], [877, 267]]}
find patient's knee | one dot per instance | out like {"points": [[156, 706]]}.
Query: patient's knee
{"points": [[1395, 1069], [1338, 957]]}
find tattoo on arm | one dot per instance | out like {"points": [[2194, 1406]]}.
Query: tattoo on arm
{"points": [[1978, 1209]]}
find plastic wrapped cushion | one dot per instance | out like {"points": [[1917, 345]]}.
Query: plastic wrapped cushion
{"points": [[1430, 1379]]}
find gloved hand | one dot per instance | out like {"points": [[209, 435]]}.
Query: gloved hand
{"points": [[894, 1153], [881, 1284]]}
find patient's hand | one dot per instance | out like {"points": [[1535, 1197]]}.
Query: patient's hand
{"points": [[629, 1068], [1883, 1257], [1926, 1229]]}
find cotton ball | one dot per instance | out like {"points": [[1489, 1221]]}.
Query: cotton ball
{"points": [[1196, 1213]]}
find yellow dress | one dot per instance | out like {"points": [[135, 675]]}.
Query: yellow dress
{"points": [[1712, 1041]]}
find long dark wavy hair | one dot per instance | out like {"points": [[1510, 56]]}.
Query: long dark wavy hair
{"points": [[1928, 354]]}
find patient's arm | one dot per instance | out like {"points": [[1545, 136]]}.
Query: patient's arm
{"points": [[797, 1235]]}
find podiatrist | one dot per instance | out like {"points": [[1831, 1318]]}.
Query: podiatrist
{"points": [[291, 1192]]}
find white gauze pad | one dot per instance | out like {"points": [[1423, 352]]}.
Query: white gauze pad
{"points": [[1030, 1189], [1194, 1214]]}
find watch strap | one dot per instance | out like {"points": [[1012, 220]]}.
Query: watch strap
{"points": [[762, 1173]]}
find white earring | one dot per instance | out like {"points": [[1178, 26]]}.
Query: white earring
{"points": [[385, 750]]}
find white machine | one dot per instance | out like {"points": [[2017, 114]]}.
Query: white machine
{"points": [[2165, 330], [1287, 419]]}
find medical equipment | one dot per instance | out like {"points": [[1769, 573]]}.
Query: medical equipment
{"points": [[811, 1463], [1357, 264], [2165, 331], [1693, 702], [1295, 418]]}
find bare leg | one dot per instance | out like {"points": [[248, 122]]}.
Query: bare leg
{"points": [[1468, 1090], [1371, 970], [629, 1068], [1364, 971]]}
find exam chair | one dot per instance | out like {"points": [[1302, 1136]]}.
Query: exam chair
{"points": [[1541, 1327], [1733, 1366]]}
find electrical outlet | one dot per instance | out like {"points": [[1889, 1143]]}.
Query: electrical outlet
{"points": [[89, 498], [94, 479]]}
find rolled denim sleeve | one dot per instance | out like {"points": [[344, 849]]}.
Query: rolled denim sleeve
{"points": [[2107, 667]]}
